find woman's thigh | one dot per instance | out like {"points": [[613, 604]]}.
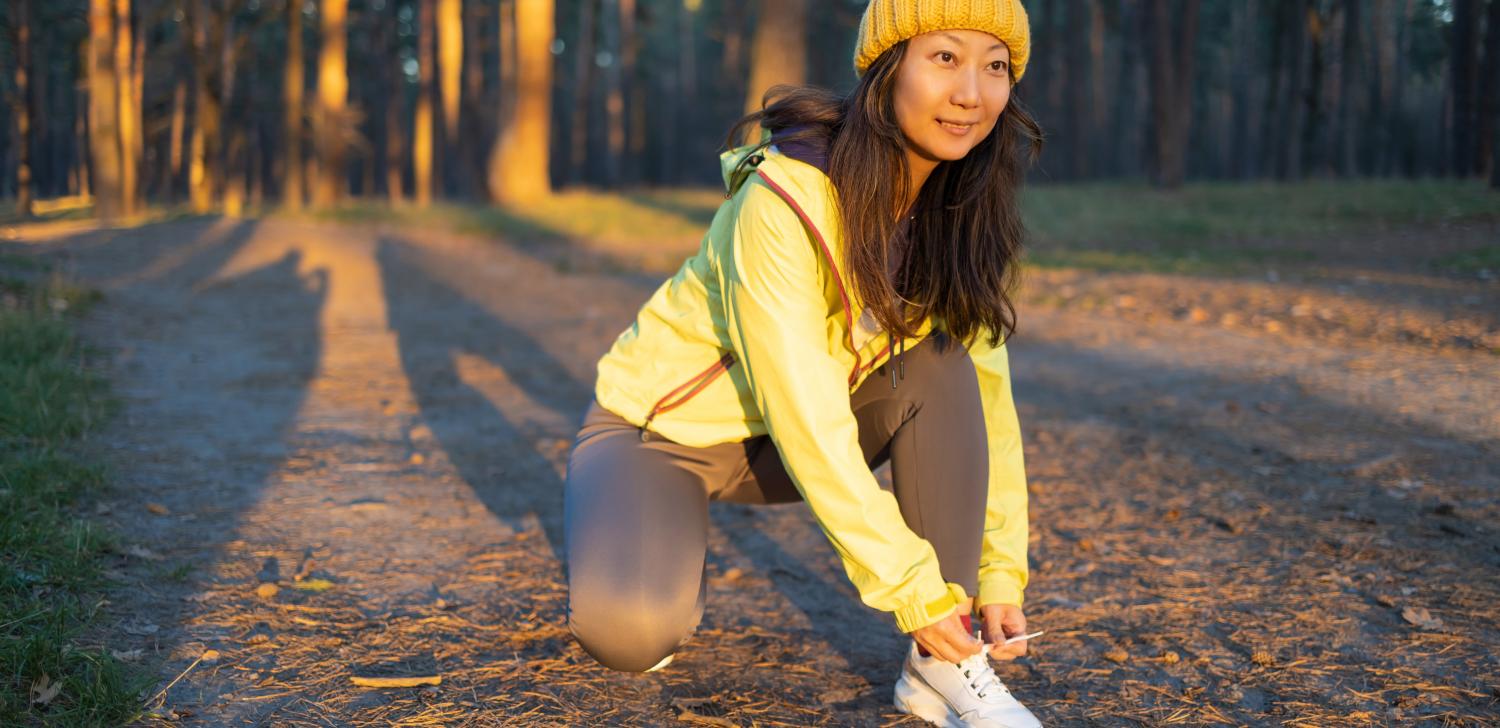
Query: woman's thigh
{"points": [[636, 526]]}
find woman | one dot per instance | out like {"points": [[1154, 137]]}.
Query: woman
{"points": [[847, 306]]}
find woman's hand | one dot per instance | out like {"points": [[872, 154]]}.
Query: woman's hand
{"points": [[947, 639], [1000, 622]]}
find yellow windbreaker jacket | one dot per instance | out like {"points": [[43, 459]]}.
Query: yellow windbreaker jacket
{"points": [[758, 333]]}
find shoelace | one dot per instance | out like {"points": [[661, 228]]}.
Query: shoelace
{"points": [[976, 669]]}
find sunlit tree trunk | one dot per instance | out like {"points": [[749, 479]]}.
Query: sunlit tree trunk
{"points": [[203, 168], [520, 173], [329, 121], [450, 60], [104, 130], [294, 82], [422, 136], [129, 115], [778, 54], [21, 24]]}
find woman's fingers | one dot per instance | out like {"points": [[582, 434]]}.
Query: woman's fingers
{"points": [[948, 640]]}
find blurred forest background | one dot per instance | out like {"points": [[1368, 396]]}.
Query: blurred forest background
{"points": [[243, 104]]}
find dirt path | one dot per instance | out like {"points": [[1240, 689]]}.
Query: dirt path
{"points": [[1227, 526]]}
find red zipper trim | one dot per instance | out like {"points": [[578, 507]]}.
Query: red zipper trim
{"points": [[694, 385], [844, 295]]}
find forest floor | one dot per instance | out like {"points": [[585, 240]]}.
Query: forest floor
{"points": [[1265, 498]]}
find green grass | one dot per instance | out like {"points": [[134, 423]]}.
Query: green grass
{"points": [[1208, 228], [50, 556], [1100, 215], [1474, 261]]}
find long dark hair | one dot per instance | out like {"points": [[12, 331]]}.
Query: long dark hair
{"points": [[963, 248]]}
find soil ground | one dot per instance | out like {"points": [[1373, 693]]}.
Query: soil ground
{"points": [[342, 449]]}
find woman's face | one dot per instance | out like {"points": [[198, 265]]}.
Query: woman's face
{"points": [[950, 89]]}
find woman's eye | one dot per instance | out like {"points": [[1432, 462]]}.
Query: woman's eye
{"points": [[945, 56], [998, 66]]}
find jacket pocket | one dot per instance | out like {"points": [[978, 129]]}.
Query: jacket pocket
{"points": [[688, 389]]}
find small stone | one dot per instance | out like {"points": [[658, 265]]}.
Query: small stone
{"points": [[1272, 326], [1171, 658], [1197, 315], [1117, 655], [267, 591], [417, 458]]}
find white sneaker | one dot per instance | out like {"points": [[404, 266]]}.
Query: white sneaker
{"points": [[966, 695]]}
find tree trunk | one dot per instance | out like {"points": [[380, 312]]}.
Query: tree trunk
{"points": [[173, 172], [1077, 78], [520, 174], [422, 136], [778, 53], [614, 93], [1464, 75], [1170, 75], [203, 168], [329, 116], [1349, 83], [24, 104], [583, 74], [104, 129], [129, 118], [1489, 114], [294, 90], [635, 93], [450, 60]]}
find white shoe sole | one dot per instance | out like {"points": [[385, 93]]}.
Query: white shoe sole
{"points": [[916, 698]]}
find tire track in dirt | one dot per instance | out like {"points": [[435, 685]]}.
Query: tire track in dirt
{"points": [[390, 411]]}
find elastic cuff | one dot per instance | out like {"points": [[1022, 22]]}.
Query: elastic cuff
{"points": [[930, 609], [999, 591]]}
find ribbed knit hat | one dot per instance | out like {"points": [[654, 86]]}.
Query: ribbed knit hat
{"points": [[888, 22]]}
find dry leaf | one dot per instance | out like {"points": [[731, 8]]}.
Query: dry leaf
{"points": [[1117, 655], [733, 574], [313, 585], [1263, 658], [410, 681], [210, 656], [43, 690], [266, 591], [417, 458], [1422, 618], [1171, 658], [158, 509]]}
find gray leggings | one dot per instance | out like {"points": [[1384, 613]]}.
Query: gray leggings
{"points": [[636, 512]]}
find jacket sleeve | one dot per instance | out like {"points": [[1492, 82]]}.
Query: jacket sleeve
{"points": [[775, 315], [1002, 560]]}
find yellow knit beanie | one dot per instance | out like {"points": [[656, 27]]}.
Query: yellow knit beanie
{"points": [[888, 22]]}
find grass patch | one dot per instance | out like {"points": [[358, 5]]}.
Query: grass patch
{"points": [[50, 557], [1471, 262], [1100, 215], [1208, 228]]}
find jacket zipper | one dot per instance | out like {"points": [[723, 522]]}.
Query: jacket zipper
{"points": [[694, 385]]}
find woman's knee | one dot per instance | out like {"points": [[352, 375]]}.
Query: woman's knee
{"points": [[630, 632]]}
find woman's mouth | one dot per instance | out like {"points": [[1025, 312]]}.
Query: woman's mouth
{"points": [[954, 128]]}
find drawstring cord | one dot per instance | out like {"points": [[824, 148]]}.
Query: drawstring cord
{"points": [[898, 366]]}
